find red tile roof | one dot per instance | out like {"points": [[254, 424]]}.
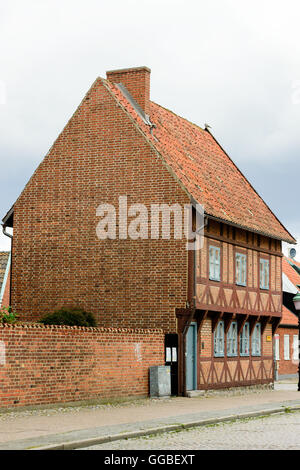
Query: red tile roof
{"points": [[294, 262], [290, 272], [288, 318], [205, 170]]}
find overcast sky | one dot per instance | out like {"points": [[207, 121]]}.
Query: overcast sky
{"points": [[230, 63]]}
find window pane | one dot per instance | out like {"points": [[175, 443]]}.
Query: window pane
{"points": [[244, 340], [232, 340], [244, 269], [256, 340], [277, 354], [219, 339], [296, 348], [214, 263], [286, 347]]}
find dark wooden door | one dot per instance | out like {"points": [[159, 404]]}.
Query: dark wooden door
{"points": [[171, 359]]}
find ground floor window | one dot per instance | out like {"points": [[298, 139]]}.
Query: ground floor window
{"points": [[232, 340], [286, 347], [219, 340], [277, 349], [248, 344], [295, 347], [244, 340], [256, 340]]}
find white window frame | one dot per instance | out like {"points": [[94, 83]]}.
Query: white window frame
{"points": [[286, 347], [245, 340], [219, 340], [277, 348], [241, 269], [256, 340], [214, 263], [232, 340], [264, 273], [295, 347]]}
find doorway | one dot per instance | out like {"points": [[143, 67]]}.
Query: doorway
{"points": [[191, 357], [171, 359]]}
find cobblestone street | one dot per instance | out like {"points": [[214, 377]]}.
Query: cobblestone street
{"points": [[279, 432]]}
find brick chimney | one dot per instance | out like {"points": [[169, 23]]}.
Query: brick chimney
{"points": [[137, 82]]}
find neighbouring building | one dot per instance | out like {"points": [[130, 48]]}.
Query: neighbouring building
{"points": [[4, 278], [218, 307], [287, 335]]}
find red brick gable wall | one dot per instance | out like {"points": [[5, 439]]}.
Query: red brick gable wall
{"points": [[57, 258], [85, 363]]}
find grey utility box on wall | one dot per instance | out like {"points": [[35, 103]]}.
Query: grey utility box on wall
{"points": [[160, 381]]}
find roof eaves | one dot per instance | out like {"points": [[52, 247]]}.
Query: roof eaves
{"points": [[245, 227], [7, 220]]}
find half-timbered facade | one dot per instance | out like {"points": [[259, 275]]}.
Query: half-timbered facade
{"points": [[219, 306], [238, 306]]}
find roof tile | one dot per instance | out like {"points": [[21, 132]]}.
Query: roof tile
{"points": [[207, 172]]}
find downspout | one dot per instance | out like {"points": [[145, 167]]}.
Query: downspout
{"points": [[11, 247], [5, 232]]}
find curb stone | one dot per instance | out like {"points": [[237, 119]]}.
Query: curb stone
{"points": [[72, 445]]}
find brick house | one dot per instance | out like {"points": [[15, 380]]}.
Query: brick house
{"points": [[4, 278], [219, 307], [287, 335]]}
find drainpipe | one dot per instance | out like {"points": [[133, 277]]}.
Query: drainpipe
{"points": [[10, 273], [5, 232]]}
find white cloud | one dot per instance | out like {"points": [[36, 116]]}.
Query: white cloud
{"points": [[232, 64]]}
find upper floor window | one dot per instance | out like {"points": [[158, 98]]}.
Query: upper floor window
{"points": [[219, 340], [264, 273], [244, 340], [240, 269], [256, 340], [214, 263], [232, 343]]}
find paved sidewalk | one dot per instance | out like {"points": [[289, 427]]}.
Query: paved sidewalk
{"points": [[49, 427]]}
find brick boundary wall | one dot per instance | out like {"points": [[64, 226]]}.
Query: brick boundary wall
{"points": [[51, 364]]}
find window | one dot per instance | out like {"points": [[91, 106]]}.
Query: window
{"points": [[277, 353], [214, 263], [256, 340], [219, 340], [295, 348], [244, 340], [264, 273], [232, 340], [286, 348], [240, 269]]}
